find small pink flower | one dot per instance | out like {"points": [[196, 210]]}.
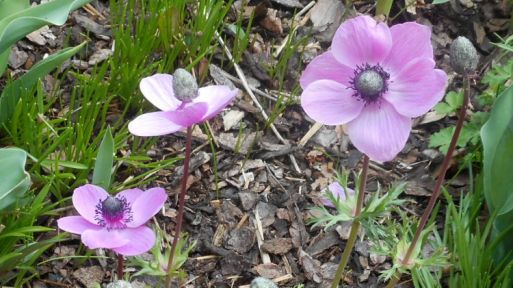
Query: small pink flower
{"points": [[374, 79], [338, 191], [178, 114], [116, 223]]}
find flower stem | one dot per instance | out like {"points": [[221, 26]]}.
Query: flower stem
{"points": [[354, 227], [121, 264], [383, 7], [181, 204], [439, 182]]}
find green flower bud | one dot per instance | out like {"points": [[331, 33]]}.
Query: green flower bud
{"points": [[464, 56], [184, 85]]}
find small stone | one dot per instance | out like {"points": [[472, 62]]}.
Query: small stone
{"points": [[240, 240], [277, 246], [17, 58], [269, 270], [79, 64], [37, 37], [261, 282], [231, 119], [100, 56], [89, 276], [248, 200], [91, 26], [119, 284]]}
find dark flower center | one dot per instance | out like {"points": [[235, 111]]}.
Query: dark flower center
{"points": [[113, 213], [369, 82]]}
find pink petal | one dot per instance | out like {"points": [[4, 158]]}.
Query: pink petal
{"points": [[158, 89], [153, 124], [417, 88], [338, 191], [104, 238], [410, 41], [147, 205], [330, 102], [130, 195], [141, 238], [217, 98], [76, 224], [325, 66], [190, 114], [379, 131], [360, 41], [85, 198]]}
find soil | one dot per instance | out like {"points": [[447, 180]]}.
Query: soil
{"points": [[254, 222]]}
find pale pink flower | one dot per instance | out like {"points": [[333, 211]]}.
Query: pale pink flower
{"points": [[114, 222], [177, 114], [374, 80]]}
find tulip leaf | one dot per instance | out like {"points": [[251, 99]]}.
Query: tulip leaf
{"points": [[497, 138], [18, 22], [12, 91], [14, 180], [104, 160]]}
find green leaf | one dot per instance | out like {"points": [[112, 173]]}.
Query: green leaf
{"points": [[4, 59], [454, 99], [443, 108], [442, 138], [104, 160], [15, 26], [9, 7], [497, 138], [14, 180], [11, 94], [440, 1]]}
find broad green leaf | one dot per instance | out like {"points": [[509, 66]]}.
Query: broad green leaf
{"points": [[14, 180], [497, 138], [16, 25], [11, 94], [9, 7], [4, 59], [440, 1], [104, 160]]}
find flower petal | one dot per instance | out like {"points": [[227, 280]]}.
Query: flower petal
{"points": [[85, 198], [76, 224], [410, 40], [104, 238], [141, 238], [325, 66], [158, 89], [130, 195], [147, 205], [417, 88], [338, 191], [217, 98], [360, 41], [188, 115], [379, 131], [330, 102], [153, 124]]}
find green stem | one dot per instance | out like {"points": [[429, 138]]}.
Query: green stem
{"points": [[383, 7], [439, 182], [354, 227], [181, 204], [394, 281]]}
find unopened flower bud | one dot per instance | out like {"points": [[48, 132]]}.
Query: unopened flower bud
{"points": [[184, 85], [464, 56]]}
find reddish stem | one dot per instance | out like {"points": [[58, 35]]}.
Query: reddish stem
{"points": [[121, 264], [441, 177], [181, 203]]}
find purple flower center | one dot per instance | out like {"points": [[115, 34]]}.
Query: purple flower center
{"points": [[113, 213], [369, 82]]}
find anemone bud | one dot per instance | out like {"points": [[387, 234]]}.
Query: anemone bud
{"points": [[184, 85], [464, 56]]}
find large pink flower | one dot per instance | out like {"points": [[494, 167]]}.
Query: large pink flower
{"points": [[116, 223], [374, 79], [176, 114]]}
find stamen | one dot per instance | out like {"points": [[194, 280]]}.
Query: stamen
{"points": [[113, 213], [369, 83]]}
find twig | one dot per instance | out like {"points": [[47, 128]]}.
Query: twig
{"points": [[310, 134], [255, 100], [260, 238]]}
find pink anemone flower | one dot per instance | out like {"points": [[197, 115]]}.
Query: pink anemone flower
{"points": [[116, 223], [374, 80], [178, 112]]}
